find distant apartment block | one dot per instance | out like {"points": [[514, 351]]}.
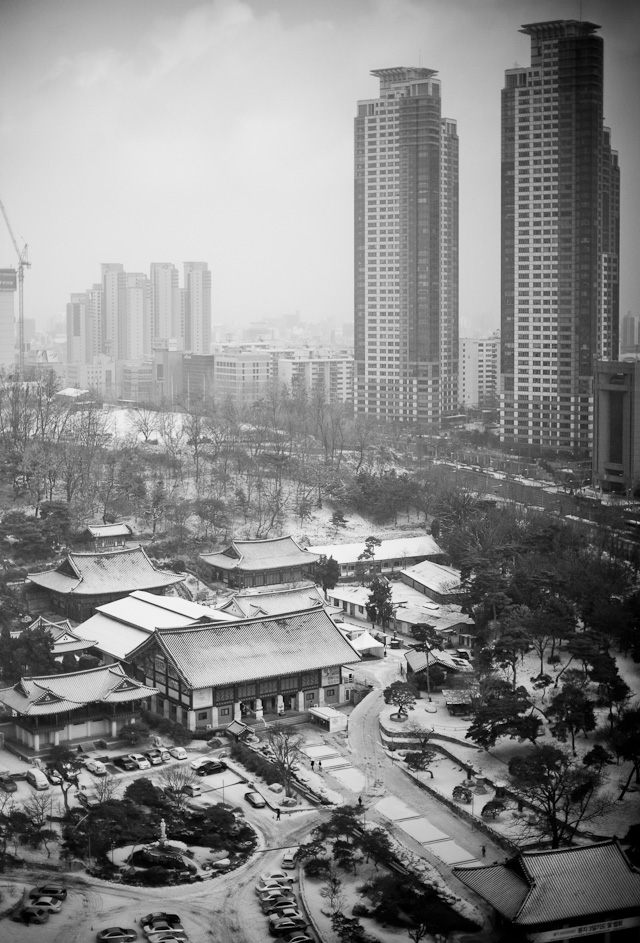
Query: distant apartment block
{"points": [[8, 286], [630, 334], [197, 314], [479, 361], [331, 378], [616, 446], [166, 305], [99, 377]]}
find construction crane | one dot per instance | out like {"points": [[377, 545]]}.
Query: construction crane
{"points": [[23, 263]]}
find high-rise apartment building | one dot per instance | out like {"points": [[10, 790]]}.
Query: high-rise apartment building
{"points": [[197, 313], [560, 235], [630, 334], [166, 304], [479, 370], [8, 286], [406, 251]]}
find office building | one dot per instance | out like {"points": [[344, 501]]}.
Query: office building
{"points": [[406, 251], [197, 314], [560, 235], [616, 446], [479, 370], [630, 334]]}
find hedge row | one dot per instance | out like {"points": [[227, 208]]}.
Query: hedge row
{"points": [[257, 764]]}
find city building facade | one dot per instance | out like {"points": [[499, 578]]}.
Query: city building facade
{"points": [[616, 445], [406, 251], [197, 314], [560, 238], [478, 383], [8, 286]]}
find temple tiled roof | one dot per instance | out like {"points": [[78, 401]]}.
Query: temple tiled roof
{"points": [[251, 605], [109, 530], [418, 661], [231, 652], [94, 574], [561, 884], [53, 694], [64, 638], [252, 555]]}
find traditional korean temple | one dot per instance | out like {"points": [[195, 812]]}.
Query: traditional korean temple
{"points": [[583, 892], [84, 581], [247, 563], [82, 705]]}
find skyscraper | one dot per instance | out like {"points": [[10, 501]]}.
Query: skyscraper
{"points": [[197, 314], [166, 319], [560, 235], [406, 251]]}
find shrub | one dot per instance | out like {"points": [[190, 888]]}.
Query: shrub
{"points": [[360, 910], [462, 794], [492, 809], [256, 763], [317, 867], [134, 733]]}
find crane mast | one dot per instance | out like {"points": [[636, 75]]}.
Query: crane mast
{"points": [[23, 262]]}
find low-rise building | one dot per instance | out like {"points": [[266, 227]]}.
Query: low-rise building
{"points": [[584, 892], [438, 582], [391, 556], [209, 675], [50, 709], [83, 581], [246, 563], [108, 536]]}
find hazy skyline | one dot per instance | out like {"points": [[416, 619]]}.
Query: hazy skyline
{"points": [[156, 131]]}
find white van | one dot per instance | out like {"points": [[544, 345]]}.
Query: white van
{"points": [[37, 779]]}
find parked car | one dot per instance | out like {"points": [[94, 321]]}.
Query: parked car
{"points": [[124, 763], [154, 757], [141, 761], [37, 779], [178, 753], [96, 767], [269, 900], [166, 756], [280, 876], [52, 904], [280, 925], [8, 783], [49, 890], [297, 936], [288, 860], [262, 887], [118, 934], [282, 906], [167, 936], [276, 892], [255, 799], [53, 775], [209, 767], [192, 789], [30, 914], [172, 919], [86, 800], [161, 925]]}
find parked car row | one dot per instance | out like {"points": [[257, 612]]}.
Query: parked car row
{"points": [[43, 901], [278, 902]]}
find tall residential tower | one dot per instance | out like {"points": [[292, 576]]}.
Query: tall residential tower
{"points": [[406, 251], [560, 235]]}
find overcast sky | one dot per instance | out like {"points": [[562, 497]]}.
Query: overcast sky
{"points": [[141, 131]]}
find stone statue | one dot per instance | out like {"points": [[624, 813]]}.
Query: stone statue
{"points": [[163, 831]]}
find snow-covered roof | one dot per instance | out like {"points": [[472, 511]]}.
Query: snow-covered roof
{"points": [[54, 694], [365, 641], [410, 605], [255, 555], [435, 576], [233, 652], [558, 884], [109, 530], [93, 574], [249, 605], [400, 548]]}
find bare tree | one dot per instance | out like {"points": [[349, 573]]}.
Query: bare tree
{"points": [[106, 788], [39, 809], [175, 779], [285, 744], [144, 421]]}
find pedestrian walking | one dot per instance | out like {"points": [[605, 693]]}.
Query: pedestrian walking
{"points": [[313, 763], [277, 815], [484, 852], [360, 801], [319, 766]]}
